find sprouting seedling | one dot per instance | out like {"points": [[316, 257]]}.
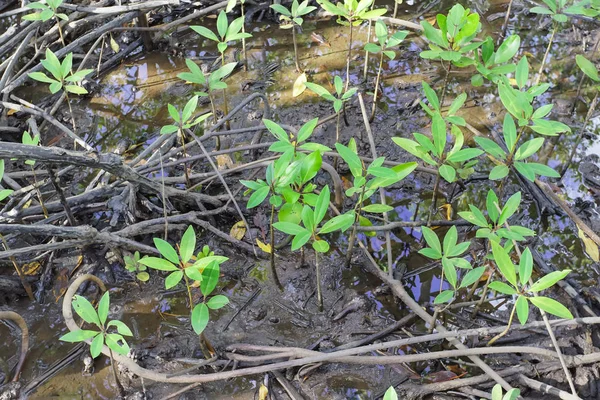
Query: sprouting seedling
{"points": [[311, 218], [386, 43], [497, 393], [450, 256], [351, 13], [494, 229], [520, 285], [204, 269], [4, 193], [292, 18], [494, 64], [105, 335], [226, 33], [132, 264], [341, 96], [366, 182], [46, 12], [62, 78]]}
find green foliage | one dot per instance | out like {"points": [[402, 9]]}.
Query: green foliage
{"points": [[204, 269], [209, 82], [132, 264], [293, 15], [46, 11], [184, 119], [587, 67], [390, 394], [559, 11], [338, 98], [30, 141], [385, 42], [62, 77], [115, 341], [352, 12], [226, 32], [494, 64], [512, 394], [4, 193]]}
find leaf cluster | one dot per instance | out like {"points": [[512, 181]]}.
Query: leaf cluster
{"points": [[62, 77]]}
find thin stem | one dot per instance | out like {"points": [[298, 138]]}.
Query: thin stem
{"points": [[71, 112], [295, 48], [505, 331], [583, 76], [434, 198], [367, 52], [244, 39], [164, 197], [505, 24], [62, 39], [376, 87], [352, 237], [272, 253], [114, 372], [225, 108], [580, 136], [348, 58], [319, 292], [185, 168], [445, 87], [395, 8], [482, 299], [39, 194], [189, 292], [541, 70]]}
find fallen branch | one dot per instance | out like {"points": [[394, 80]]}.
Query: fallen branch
{"points": [[16, 318]]}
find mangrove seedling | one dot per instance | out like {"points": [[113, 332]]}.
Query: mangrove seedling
{"points": [[204, 269], [351, 13], [226, 33], [114, 341], [311, 218], [494, 64], [132, 264], [62, 77], [391, 394], [338, 99], [497, 393], [46, 12], [521, 286], [450, 256], [383, 48], [4, 193], [366, 182], [292, 18]]}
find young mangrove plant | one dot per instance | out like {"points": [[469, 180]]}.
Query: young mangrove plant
{"points": [[292, 18], [202, 270], [114, 341], [226, 33], [132, 264], [391, 394], [386, 43], [492, 65], [338, 99], [366, 182], [62, 77], [497, 393], [351, 13], [47, 11]]}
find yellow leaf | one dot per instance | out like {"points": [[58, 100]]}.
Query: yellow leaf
{"points": [[224, 162], [590, 246], [33, 268], [448, 208], [263, 392], [11, 112], [299, 86], [114, 45], [238, 230], [264, 247]]}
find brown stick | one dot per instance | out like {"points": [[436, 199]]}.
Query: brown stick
{"points": [[13, 316]]}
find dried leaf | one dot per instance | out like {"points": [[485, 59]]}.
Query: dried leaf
{"points": [[448, 208], [238, 230], [263, 392], [440, 376], [264, 247], [590, 246], [224, 162], [33, 268], [11, 112], [299, 86], [114, 45]]}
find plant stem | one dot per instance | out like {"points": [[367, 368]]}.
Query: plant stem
{"points": [[337, 136], [295, 48], [214, 113], [583, 76], [367, 52], [244, 39], [62, 39], [395, 8], [164, 199], [443, 97], [189, 291], [505, 331], [225, 108], [272, 253], [348, 59], [185, 169], [376, 88], [319, 292], [352, 237], [114, 371], [433, 198], [71, 112], [39, 194], [541, 70]]}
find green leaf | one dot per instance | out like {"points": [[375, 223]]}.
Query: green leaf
{"points": [[301, 239], [431, 96], [289, 228], [216, 302], [504, 263], [200, 318], [438, 131], [281, 10], [390, 394], [320, 246], [432, 239], [207, 33], [431, 253], [498, 172], [542, 111], [586, 66], [540, 10], [341, 222], [472, 276], [507, 49], [188, 244], [525, 266], [121, 327], [377, 208], [322, 205], [310, 166], [103, 305], [158, 263], [78, 336], [522, 307], [490, 147], [166, 250], [511, 205], [307, 129], [448, 173], [490, 202], [75, 89], [173, 279], [351, 158], [549, 280], [562, 18], [450, 240], [189, 109], [432, 34], [230, 5], [112, 341], [475, 217], [529, 148], [443, 297], [502, 287], [449, 271], [522, 72], [551, 306], [258, 197], [85, 310], [41, 77], [210, 278], [96, 346]]}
